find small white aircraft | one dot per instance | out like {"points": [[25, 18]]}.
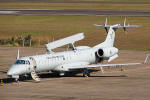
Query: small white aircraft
{"points": [[79, 58]]}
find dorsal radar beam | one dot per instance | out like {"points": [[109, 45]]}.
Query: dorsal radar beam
{"points": [[61, 42]]}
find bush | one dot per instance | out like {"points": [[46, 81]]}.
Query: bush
{"points": [[8, 41], [19, 40], [2, 41]]}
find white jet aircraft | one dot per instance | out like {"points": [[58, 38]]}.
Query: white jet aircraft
{"points": [[79, 58]]}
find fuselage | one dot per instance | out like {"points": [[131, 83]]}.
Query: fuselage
{"points": [[53, 62]]}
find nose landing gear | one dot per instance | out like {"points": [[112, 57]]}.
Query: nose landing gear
{"points": [[86, 73], [16, 77], [61, 73]]}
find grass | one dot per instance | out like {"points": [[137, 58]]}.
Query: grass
{"points": [[98, 6], [118, 0], [47, 27]]}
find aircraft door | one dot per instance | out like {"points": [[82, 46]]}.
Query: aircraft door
{"points": [[33, 64]]}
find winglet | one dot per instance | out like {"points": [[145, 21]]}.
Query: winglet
{"points": [[102, 69], [105, 25], [146, 58], [105, 22], [116, 26], [124, 26]]}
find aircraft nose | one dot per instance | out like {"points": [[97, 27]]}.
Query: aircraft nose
{"points": [[16, 70], [11, 70]]}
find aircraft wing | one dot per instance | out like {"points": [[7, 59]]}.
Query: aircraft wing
{"points": [[113, 65], [110, 65], [64, 41], [102, 65]]}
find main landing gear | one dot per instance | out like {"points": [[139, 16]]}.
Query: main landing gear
{"points": [[17, 79], [86, 73], [62, 74]]}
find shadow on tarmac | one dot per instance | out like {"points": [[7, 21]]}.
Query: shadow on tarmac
{"points": [[54, 75], [3, 72]]}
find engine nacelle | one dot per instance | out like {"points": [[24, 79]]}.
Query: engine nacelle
{"points": [[107, 52]]}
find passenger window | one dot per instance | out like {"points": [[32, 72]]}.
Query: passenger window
{"points": [[27, 62]]}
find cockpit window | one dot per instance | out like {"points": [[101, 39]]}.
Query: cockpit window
{"points": [[22, 62]]}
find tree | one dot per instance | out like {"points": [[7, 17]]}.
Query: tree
{"points": [[13, 40], [28, 40]]}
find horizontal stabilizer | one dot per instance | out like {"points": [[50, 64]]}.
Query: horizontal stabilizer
{"points": [[116, 26], [102, 26], [113, 57], [68, 40]]}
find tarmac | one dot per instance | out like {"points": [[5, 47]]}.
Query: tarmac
{"points": [[131, 84]]}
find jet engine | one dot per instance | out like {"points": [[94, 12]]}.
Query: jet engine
{"points": [[106, 52]]}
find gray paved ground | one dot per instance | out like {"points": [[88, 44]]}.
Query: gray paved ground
{"points": [[57, 12], [133, 84]]}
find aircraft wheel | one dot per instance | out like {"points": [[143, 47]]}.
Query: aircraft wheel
{"points": [[17, 79], [62, 74], [86, 73]]}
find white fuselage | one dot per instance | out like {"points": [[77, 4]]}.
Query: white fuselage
{"points": [[60, 61], [53, 61]]}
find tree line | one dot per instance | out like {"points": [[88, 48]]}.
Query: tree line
{"points": [[19, 41]]}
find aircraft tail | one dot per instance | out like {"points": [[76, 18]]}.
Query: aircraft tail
{"points": [[109, 42]]}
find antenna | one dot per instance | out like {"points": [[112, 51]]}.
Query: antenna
{"points": [[18, 54]]}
